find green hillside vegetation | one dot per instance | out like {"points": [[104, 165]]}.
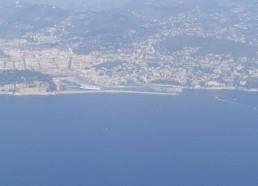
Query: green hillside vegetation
{"points": [[8, 77]]}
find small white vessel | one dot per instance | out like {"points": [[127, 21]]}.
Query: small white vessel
{"points": [[90, 87]]}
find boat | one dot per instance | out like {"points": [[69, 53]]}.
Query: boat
{"points": [[90, 87]]}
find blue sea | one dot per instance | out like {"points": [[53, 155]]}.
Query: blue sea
{"points": [[199, 138]]}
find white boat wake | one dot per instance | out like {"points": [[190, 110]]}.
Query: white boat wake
{"points": [[227, 101]]}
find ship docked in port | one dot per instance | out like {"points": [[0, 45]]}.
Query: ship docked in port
{"points": [[90, 87]]}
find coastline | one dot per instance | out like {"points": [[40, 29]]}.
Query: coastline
{"points": [[223, 88], [87, 92], [112, 91]]}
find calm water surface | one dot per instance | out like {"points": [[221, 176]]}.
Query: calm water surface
{"points": [[196, 139]]}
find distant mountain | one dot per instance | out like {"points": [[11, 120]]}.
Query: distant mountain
{"points": [[98, 5], [75, 5], [22, 17]]}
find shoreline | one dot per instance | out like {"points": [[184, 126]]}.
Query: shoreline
{"points": [[87, 92], [220, 88], [177, 91]]}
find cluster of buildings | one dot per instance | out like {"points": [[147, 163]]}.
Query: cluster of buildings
{"points": [[145, 63]]}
